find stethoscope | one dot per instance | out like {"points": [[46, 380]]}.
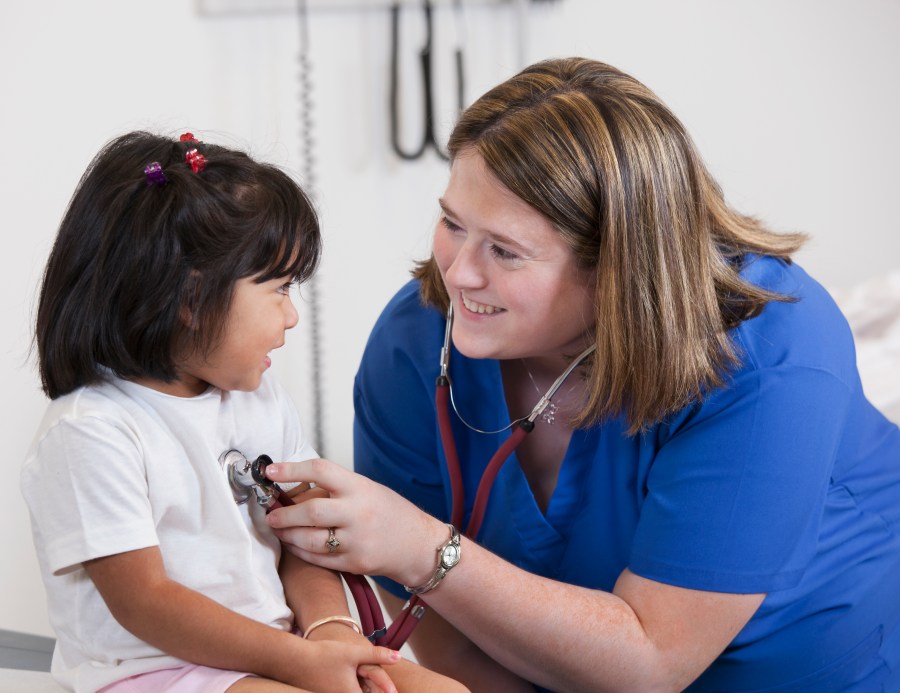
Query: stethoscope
{"points": [[414, 609], [247, 479]]}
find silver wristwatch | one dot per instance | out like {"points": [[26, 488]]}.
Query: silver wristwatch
{"points": [[448, 556]]}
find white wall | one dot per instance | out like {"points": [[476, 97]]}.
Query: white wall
{"points": [[794, 104]]}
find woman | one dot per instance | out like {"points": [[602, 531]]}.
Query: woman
{"points": [[709, 502]]}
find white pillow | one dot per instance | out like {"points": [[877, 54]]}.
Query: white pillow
{"points": [[873, 311]]}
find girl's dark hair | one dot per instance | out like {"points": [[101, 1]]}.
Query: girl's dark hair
{"points": [[599, 155], [140, 272]]}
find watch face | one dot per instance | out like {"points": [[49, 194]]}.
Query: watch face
{"points": [[450, 556]]}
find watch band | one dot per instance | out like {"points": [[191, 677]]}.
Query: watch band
{"points": [[448, 556]]}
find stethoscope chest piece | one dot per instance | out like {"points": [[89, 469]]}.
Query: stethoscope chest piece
{"points": [[248, 478]]}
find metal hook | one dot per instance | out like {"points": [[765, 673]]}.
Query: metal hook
{"points": [[425, 63]]}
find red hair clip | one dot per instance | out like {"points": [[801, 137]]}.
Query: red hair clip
{"points": [[196, 160], [188, 137]]}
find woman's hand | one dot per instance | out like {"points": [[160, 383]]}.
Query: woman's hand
{"points": [[380, 533]]}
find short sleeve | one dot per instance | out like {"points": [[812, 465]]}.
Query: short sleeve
{"points": [[736, 494], [79, 509]]}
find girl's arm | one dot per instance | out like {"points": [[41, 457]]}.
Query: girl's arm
{"points": [[313, 593], [644, 635], [192, 627]]}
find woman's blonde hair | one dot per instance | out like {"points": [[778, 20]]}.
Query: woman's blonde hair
{"points": [[613, 169]]}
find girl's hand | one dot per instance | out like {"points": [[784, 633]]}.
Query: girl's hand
{"points": [[340, 666], [380, 532], [371, 678]]}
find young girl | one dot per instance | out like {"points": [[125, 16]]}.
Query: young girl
{"points": [[166, 290]]}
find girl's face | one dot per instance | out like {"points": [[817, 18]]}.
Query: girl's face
{"points": [[259, 316], [513, 281]]}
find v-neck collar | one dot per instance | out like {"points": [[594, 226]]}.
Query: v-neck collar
{"points": [[542, 533]]}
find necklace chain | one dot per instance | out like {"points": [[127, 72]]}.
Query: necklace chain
{"points": [[548, 416]]}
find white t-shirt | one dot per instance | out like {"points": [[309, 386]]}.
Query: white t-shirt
{"points": [[118, 467]]}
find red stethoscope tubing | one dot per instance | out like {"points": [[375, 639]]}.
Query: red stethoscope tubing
{"points": [[522, 428], [414, 609], [370, 615]]}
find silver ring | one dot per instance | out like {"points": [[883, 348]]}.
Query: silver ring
{"points": [[332, 543]]}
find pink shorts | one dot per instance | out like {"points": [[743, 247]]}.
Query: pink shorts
{"points": [[187, 679]]}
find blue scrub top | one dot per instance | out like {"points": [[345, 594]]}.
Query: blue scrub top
{"points": [[785, 481]]}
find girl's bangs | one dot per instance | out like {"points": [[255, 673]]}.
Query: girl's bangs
{"points": [[288, 243]]}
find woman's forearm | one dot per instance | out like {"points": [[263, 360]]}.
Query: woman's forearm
{"points": [[557, 635], [550, 633], [642, 636]]}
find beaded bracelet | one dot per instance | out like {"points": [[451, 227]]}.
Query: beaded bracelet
{"points": [[346, 620]]}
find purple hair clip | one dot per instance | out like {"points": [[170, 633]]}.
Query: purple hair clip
{"points": [[196, 160], [155, 175]]}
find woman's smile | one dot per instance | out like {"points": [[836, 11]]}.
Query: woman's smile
{"points": [[483, 308]]}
